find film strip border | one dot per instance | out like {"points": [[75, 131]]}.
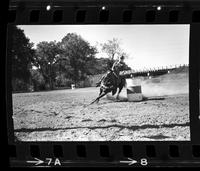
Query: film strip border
{"points": [[80, 154], [105, 153], [91, 12]]}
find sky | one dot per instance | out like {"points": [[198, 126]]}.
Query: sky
{"points": [[148, 46]]}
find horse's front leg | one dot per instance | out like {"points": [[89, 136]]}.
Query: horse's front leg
{"points": [[117, 96], [120, 89], [121, 85]]}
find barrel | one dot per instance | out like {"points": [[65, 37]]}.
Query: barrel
{"points": [[134, 90], [72, 86], [134, 93]]}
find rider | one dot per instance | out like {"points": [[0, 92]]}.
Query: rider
{"points": [[119, 66], [116, 68]]}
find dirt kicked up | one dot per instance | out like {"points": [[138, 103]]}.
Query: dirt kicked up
{"points": [[63, 115]]}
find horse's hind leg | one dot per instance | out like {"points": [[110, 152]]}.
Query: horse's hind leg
{"points": [[100, 91], [120, 89], [97, 99]]}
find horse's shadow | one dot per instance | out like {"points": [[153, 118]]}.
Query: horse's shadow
{"points": [[144, 98], [112, 99], [125, 99]]}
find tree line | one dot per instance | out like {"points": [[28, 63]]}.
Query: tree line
{"points": [[57, 64]]}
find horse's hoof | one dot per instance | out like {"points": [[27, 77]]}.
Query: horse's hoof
{"points": [[92, 103]]}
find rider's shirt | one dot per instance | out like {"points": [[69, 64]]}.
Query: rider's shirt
{"points": [[118, 66]]}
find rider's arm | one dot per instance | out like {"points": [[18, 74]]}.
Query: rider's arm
{"points": [[113, 67]]}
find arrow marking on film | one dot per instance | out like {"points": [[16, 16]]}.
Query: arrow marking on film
{"points": [[130, 161], [37, 162]]}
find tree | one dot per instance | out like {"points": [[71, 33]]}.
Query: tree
{"points": [[79, 53], [97, 66], [22, 53], [113, 50], [47, 54], [37, 80], [63, 71]]}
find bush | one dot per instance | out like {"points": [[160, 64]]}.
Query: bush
{"points": [[62, 81], [19, 85], [37, 80]]}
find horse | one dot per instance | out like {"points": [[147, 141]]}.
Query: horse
{"points": [[110, 83]]}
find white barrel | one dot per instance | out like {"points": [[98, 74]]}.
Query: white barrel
{"points": [[73, 86], [134, 93], [134, 90]]}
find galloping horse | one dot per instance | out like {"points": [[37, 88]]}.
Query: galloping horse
{"points": [[110, 83]]}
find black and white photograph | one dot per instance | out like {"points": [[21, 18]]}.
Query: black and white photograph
{"points": [[100, 82]]}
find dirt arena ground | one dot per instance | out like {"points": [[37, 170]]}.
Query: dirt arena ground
{"points": [[63, 115]]}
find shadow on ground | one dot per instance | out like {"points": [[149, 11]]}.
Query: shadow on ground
{"points": [[133, 128], [112, 99]]}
